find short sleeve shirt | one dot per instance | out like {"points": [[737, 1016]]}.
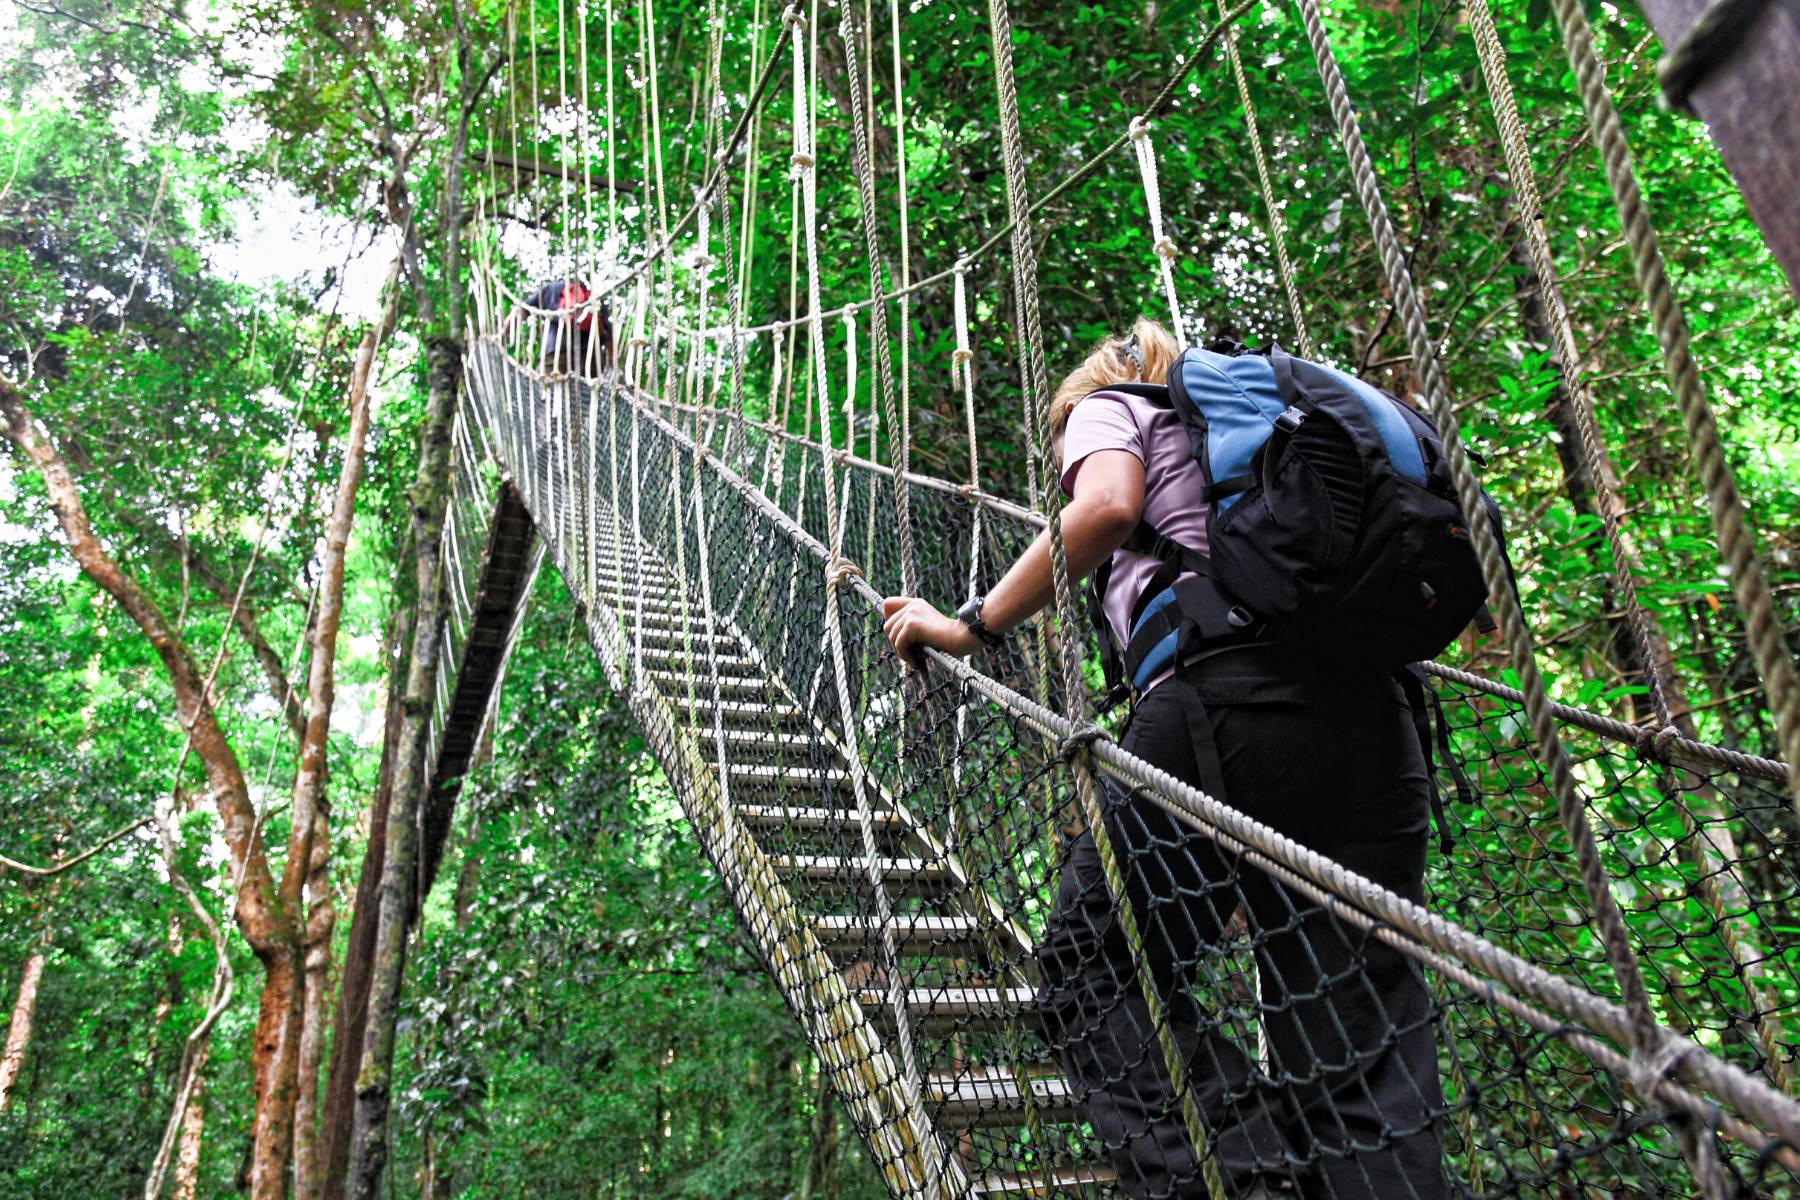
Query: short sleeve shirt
{"points": [[1174, 487]]}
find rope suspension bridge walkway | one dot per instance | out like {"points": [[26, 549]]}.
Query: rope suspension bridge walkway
{"points": [[892, 840], [892, 855]]}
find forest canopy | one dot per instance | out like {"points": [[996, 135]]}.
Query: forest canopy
{"points": [[237, 245]]}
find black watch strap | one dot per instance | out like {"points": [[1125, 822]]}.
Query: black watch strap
{"points": [[970, 614]]}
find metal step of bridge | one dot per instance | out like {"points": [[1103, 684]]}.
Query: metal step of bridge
{"points": [[1069, 1181], [675, 636], [675, 683], [763, 716], [777, 824], [847, 873], [650, 585], [765, 776], [959, 1009], [792, 746], [669, 653], [920, 936], [656, 615], [992, 1096]]}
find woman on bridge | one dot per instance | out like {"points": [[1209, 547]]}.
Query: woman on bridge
{"points": [[1343, 1099]]}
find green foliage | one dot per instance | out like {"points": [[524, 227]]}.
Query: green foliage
{"points": [[585, 1017], [590, 1019]]}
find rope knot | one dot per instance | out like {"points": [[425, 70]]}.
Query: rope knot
{"points": [[1078, 741], [1655, 743], [1138, 130], [962, 266], [801, 160], [1646, 1073], [840, 570], [792, 17], [969, 492], [1165, 247], [841, 455], [961, 355], [636, 342]]}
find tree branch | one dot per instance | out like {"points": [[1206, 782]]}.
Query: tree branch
{"points": [[275, 672], [193, 705]]}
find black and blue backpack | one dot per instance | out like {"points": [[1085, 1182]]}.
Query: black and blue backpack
{"points": [[1333, 528]]}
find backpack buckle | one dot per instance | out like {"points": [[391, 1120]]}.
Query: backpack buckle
{"points": [[1290, 419], [1240, 617]]}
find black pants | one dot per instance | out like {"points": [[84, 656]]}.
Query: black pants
{"points": [[1328, 1087]]}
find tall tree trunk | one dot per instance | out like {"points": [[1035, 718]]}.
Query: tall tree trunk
{"points": [[368, 1150], [267, 925], [307, 877], [309, 1166], [430, 496], [274, 1054], [350, 1018], [193, 1126], [1578, 480], [18, 1032]]}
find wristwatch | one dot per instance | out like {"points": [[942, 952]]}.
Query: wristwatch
{"points": [[970, 614]]}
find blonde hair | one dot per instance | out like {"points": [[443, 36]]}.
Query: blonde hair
{"points": [[1111, 362]]}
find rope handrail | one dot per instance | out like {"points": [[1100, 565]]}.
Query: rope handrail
{"points": [[1654, 740], [1556, 1005], [791, 614]]}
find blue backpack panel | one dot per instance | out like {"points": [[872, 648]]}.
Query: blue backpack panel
{"points": [[1334, 525]]}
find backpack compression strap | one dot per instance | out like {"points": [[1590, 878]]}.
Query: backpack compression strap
{"points": [[1181, 607]]}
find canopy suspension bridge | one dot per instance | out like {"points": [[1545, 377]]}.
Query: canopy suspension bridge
{"points": [[892, 839]]}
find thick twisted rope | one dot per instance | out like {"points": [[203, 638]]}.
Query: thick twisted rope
{"points": [[906, 331], [1721, 886], [1736, 543], [1647, 1034], [1036, 386], [878, 317], [1284, 268]]}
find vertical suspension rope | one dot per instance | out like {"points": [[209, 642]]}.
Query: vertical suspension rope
{"points": [[590, 348], [1161, 244], [1276, 225], [903, 448], [612, 131], [938, 1172], [1651, 1044], [878, 316], [1036, 384], [1720, 885], [737, 263], [1736, 543]]}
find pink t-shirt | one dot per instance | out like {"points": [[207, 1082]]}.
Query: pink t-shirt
{"points": [[1174, 488]]}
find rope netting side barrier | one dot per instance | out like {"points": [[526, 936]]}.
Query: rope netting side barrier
{"points": [[902, 848], [1031, 961]]}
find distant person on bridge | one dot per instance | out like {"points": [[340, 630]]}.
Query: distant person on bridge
{"points": [[1339, 1095], [578, 338]]}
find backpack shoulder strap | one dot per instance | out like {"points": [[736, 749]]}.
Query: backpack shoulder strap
{"points": [[1156, 393]]}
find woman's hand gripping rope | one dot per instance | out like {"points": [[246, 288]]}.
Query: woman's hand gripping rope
{"points": [[912, 624], [1109, 500]]}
